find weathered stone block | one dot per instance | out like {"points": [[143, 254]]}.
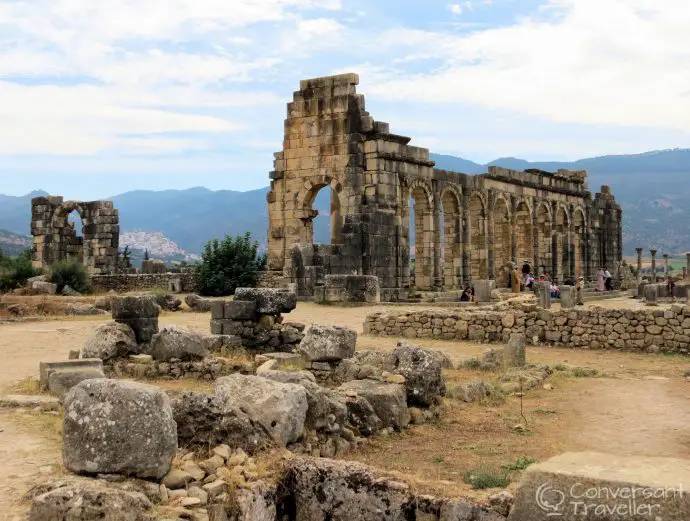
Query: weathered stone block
{"points": [[328, 343], [83, 364], [268, 301], [588, 485], [240, 310]]}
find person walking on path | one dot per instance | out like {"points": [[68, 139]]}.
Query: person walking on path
{"points": [[601, 281]]}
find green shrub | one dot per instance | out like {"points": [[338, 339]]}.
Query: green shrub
{"points": [[14, 272], [229, 264], [70, 273], [486, 478]]}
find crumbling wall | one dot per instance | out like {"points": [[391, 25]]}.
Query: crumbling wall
{"points": [[653, 330], [55, 239], [184, 282], [466, 227]]}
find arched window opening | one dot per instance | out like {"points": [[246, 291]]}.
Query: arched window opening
{"points": [[420, 238], [325, 225]]}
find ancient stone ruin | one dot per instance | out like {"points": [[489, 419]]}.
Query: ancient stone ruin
{"points": [[466, 227], [55, 239]]}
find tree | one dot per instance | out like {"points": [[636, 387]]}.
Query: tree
{"points": [[229, 264], [146, 254], [15, 272], [124, 261]]}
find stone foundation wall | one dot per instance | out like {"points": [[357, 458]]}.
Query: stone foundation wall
{"points": [[270, 279], [591, 328], [123, 283]]}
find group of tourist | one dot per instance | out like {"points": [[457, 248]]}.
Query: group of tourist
{"points": [[604, 280]]}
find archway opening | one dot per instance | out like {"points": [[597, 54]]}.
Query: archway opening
{"points": [[578, 242], [72, 237], [524, 237], [478, 248], [325, 224], [450, 240], [501, 249], [420, 237], [562, 254], [544, 240]]}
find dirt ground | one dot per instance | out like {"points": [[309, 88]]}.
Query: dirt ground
{"points": [[638, 405]]}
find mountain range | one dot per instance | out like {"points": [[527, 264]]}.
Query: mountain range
{"points": [[653, 188]]}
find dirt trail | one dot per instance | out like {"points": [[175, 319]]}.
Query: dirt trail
{"points": [[628, 414]]}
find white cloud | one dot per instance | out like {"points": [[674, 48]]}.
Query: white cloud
{"points": [[456, 9], [584, 61]]}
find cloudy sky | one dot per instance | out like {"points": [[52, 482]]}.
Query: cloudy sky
{"points": [[101, 97]]}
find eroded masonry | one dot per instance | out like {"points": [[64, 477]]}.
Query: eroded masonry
{"points": [[466, 227], [55, 238]]}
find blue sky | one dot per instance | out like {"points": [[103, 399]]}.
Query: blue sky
{"points": [[98, 98]]}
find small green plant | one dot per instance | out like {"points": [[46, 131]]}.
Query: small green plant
{"points": [[159, 292], [560, 367], [438, 458], [472, 363], [484, 478], [70, 273], [544, 412], [520, 464]]}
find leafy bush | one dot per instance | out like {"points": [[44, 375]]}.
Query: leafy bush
{"points": [[14, 272], [229, 264], [70, 273], [520, 464]]}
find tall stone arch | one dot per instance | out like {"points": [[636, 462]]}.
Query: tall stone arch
{"points": [[420, 192], [478, 236], [451, 201], [502, 238]]}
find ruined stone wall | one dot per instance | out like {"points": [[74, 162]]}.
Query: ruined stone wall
{"points": [[466, 227], [122, 283], [590, 328], [55, 239]]}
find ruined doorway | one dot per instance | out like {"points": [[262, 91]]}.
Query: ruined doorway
{"points": [[451, 255], [524, 235], [561, 258], [578, 242], [479, 257], [544, 240], [502, 234], [421, 228]]}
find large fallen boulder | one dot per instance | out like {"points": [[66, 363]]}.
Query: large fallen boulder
{"points": [[389, 401], [281, 407], [140, 313], [328, 343], [361, 415], [90, 501], [589, 485], [423, 372], [44, 288], [168, 302], [269, 301], [118, 427], [323, 489], [110, 341], [205, 420], [326, 408], [173, 342]]}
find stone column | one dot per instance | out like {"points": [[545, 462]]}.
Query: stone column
{"points": [[685, 272], [665, 265], [466, 274], [639, 263], [437, 280], [687, 269], [653, 252]]}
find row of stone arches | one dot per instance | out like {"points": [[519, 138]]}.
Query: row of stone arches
{"points": [[479, 243]]}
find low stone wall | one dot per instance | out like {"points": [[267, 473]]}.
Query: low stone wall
{"points": [[122, 283], [590, 328], [208, 369]]}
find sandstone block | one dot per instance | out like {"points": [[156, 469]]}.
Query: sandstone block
{"points": [[172, 342], [268, 301], [110, 341], [328, 343]]}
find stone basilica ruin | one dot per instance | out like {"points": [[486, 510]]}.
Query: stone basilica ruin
{"points": [[466, 227]]}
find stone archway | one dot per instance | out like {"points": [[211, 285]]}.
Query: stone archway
{"points": [[479, 255], [309, 213], [544, 227], [502, 241], [452, 253], [422, 225], [561, 260], [524, 234], [578, 242]]}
